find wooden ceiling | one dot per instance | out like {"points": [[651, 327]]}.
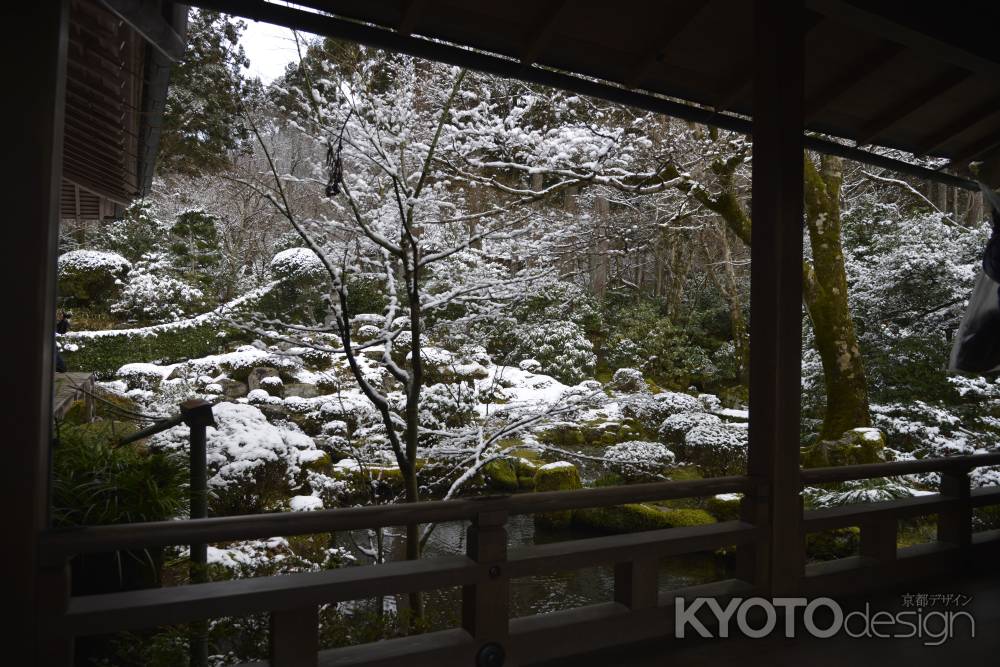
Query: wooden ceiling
{"points": [[920, 77]]}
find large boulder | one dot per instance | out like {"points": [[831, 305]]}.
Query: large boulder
{"points": [[232, 388], [558, 476], [301, 389], [859, 445]]}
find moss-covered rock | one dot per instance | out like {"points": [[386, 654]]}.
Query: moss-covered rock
{"points": [[500, 475], [558, 476], [638, 516], [859, 445]]}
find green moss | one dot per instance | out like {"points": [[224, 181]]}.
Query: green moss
{"points": [[986, 518], [832, 544], [563, 435], [723, 509], [854, 447], [318, 464], [639, 516], [76, 413], [104, 355], [501, 475], [556, 478]]}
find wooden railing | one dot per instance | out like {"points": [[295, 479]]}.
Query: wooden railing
{"points": [[488, 635], [880, 562]]}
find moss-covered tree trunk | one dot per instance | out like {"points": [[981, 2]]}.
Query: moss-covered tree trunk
{"points": [[825, 291], [824, 282]]}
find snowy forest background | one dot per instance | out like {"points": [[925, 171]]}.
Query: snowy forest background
{"points": [[402, 281]]}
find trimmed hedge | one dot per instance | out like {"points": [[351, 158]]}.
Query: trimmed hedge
{"points": [[104, 355], [104, 352]]}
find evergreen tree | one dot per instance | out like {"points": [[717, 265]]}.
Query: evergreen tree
{"points": [[202, 126]]}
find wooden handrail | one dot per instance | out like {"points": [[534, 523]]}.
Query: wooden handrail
{"points": [[59, 543], [179, 604], [895, 468]]}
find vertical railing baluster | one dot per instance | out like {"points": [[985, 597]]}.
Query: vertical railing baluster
{"points": [[636, 583], [295, 637], [197, 415], [53, 597], [878, 539], [955, 526], [485, 605]]}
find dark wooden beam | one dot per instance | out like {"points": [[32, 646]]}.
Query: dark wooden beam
{"points": [[974, 151], [858, 71], [959, 126], [545, 25], [412, 11], [776, 284], [911, 103], [870, 19], [740, 84], [656, 51], [32, 155], [145, 17]]}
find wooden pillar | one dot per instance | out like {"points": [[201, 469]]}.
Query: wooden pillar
{"points": [[776, 283], [32, 157]]}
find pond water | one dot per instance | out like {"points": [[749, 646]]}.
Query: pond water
{"points": [[542, 593]]}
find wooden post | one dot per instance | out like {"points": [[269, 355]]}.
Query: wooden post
{"points": [[955, 526], [776, 282], [636, 583], [485, 606], [295, 637], [197, 415], [32, 154]]}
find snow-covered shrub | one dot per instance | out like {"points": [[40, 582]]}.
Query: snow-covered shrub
{"points": [[628, 379], [925, 429], [909, 277], [718, 449], [637, 459], [447, 405], [675, 427], [560, 347], [856, 491], [675, 402], [302, 286], [137, 233], [639, 336], [643, 408], [91, 277], [272, 385], [141, 376], [297, 264], [153, 295], [254, 466], [530, 366]]}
